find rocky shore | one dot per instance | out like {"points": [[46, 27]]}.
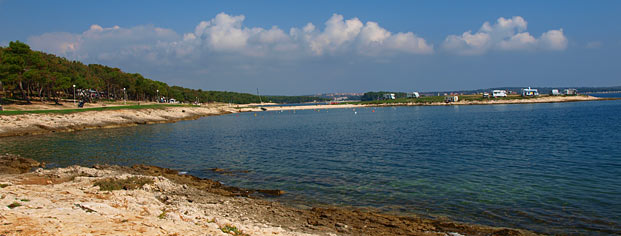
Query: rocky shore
{"points": [[26, 124], [148, 200]]}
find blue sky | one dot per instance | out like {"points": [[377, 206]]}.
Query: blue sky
{"points": [[307, 47]]}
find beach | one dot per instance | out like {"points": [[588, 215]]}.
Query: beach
{"points": [[28, 124]]}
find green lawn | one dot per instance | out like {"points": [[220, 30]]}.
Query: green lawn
{"points": [[430, 99], [67, 111]]}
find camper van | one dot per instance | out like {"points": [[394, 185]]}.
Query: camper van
{"points": [[499, 93], [570, 92], [451, 98], [555, 92], [389, 96], [413, 95]]}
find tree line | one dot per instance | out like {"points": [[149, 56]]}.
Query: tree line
{"points": [[26, 75]]}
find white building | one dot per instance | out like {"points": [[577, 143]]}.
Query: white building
{"points": [[530, 92]]}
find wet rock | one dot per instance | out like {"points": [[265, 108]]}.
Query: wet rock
{"points": [[227, 172], [274, 192], [15, 164]]}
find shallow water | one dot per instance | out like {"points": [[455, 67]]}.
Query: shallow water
{"points": [[552, 168]]}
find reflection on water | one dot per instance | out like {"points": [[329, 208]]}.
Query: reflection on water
{"points": [[552, 168]]}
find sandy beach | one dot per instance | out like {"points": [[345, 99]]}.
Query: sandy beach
{"points": [[71, 201]]}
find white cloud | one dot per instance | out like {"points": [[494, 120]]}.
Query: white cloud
{"points": [[373, 33], [224, 32], [365, 39], [504, 35], [104, 43], [553, 40], [519, 41], [225, 43], [226, 35]]}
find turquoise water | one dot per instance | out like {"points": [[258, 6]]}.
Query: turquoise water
{"points": [[551, 168]]}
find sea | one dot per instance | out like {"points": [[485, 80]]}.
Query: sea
{"points": [[552, 168]]}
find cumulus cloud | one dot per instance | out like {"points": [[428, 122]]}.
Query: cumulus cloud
{"points": [[104, 43], [224, 41], [226, 35], [504, 35], [364, 38]]}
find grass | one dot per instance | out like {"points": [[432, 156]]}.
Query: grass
{"points": [[68, 111], [440, 99], [130, 183], [4, 185], [429, 99], [481, 98], [14, 205], [162, 215], [25, 200], [229, 229]]}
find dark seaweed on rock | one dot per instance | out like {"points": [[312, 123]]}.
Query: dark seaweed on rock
{"points": [[15, 164]]}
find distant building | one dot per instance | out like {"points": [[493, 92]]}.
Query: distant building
{"points": [[555, 92], [413, 95], [530, 92], [449, 99], [499, 93], [390, 96], [485, 95], [570, 92]]}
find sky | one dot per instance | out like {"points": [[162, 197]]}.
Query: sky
{"points": [[310, 47]]}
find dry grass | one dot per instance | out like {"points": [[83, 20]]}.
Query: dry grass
{"points": [[130, 183]]}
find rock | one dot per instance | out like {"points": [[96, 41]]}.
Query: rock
{"points": [[274, 192], [15, 164]]}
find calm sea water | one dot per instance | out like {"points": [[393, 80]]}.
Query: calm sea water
{"points": [[551, 168]]}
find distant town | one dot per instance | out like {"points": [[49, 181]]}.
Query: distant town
{"points": [[485, 93]]}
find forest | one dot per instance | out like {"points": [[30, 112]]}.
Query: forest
{"points": [[27, 75]]}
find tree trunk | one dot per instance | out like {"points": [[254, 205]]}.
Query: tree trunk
{"points": [[41, 93], [21, 89], [55, 97], [4, 95], [29, 90]]}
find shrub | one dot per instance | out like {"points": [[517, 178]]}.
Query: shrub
{"points": [[130, 183]]}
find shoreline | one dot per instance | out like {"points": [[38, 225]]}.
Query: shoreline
{"points": [[33, 124], [65, 201]]}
